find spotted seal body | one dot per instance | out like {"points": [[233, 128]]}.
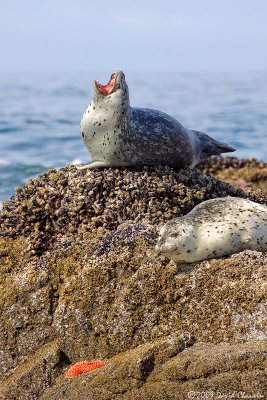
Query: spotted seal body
{"points": [[215, 228], [116, 134]]}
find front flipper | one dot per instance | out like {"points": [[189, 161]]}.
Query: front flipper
{"points": [[94, 164]]}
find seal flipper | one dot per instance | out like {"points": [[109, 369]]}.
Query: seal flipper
{"points": [[211, 147], [93, 164]]}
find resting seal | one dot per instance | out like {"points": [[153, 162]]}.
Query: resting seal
{"points": [[116, 134], [215, 228]]}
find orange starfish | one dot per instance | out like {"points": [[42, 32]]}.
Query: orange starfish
{"points": [[83, 366]]}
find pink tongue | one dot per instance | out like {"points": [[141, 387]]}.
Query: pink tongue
{"points": [[107, 89]]}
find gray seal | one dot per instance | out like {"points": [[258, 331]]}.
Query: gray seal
{"points": [[116, 134], [215, 228]]}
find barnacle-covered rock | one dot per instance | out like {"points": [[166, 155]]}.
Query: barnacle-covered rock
{"points": [[61, 204], [248, 172], [80, 280]]}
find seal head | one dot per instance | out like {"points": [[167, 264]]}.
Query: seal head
{"points": [[116, 82], [177, 244]]}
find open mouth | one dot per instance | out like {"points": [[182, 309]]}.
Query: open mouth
{"points": [[109, 87]]}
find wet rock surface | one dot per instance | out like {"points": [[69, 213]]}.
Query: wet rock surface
{"points": [[80, 280]]}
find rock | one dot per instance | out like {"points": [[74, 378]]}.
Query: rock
{"points": [[81, 283], [186, 369], [35, 375], [59, 205], [232, 170]]}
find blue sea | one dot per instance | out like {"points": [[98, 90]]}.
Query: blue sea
{"points": [[40, 114]]}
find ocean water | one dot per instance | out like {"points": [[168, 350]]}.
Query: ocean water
{"points": [[40, 114]]}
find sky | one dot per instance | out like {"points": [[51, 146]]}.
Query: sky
{"points": [[151, 35]]}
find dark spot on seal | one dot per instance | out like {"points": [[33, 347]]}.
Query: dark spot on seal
{"points": [[83, 135]]}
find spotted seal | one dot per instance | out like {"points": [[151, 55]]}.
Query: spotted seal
{"points": [[215, 228], [116, 134]]}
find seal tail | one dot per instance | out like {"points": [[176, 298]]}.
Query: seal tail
{"points": [[211, 147]]}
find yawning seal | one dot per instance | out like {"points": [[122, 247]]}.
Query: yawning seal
{"points": [[116, 134]]}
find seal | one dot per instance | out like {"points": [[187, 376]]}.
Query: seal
{"points": [[116, 134], [215, 228]]}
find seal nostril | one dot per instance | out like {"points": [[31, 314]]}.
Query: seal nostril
{"points": [[82, 135]]}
